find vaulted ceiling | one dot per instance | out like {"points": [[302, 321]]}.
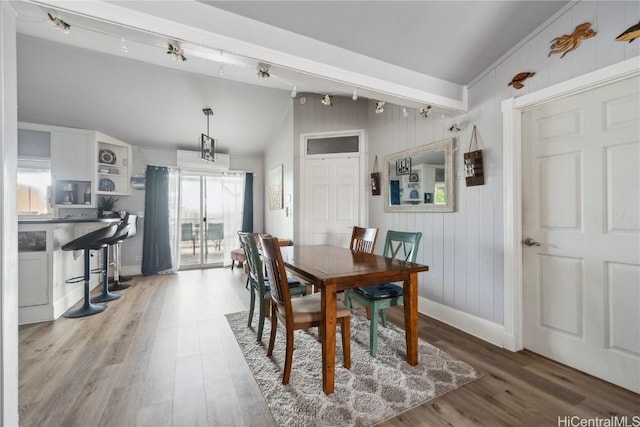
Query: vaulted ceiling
{"points": [[108, 76]]}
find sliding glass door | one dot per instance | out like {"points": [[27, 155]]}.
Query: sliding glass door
{"points": [[211, 212]]}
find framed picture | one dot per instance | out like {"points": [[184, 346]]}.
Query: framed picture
{"points": [[403, 166], [276, 199], [413, 177]]}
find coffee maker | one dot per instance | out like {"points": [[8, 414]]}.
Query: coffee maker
{"points": [[69, 191]]}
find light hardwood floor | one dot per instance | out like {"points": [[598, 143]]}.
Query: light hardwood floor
{"points": [[164, 355]]}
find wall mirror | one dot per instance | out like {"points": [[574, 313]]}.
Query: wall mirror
{"points": [[420, 179]]}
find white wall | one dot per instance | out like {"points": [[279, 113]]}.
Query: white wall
{"points": [[280, 222], [464, 249]]}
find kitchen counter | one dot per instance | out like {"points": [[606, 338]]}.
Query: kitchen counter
{"points": [[66, 220], [43, 267]]}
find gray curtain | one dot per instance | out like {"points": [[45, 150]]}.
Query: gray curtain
{"points": [[156, 247], [247, 212]]}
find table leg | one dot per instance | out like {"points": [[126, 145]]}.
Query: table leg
{"points": [[411, 317], [328, 337]]}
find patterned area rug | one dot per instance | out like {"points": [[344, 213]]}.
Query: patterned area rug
{"points": [[373, 390]]}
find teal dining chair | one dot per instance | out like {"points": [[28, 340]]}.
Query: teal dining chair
{"points": [[398, 244], [259, 285]]}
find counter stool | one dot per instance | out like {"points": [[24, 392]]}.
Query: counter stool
{"points": [[133, 221], [126, 230], [86, 243]]}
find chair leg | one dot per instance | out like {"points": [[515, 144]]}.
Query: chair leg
{"points": [[347, 299], [288, 360], [345, 329], [251, 306], [373, 332], [261, 316], [232, 264], [274, 328], [383, 314]]}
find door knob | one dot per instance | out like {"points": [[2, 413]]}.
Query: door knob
{"points": [[530, 242]]}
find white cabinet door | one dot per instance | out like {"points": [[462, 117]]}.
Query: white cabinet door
{"points": [[33, 282], [72, 156]]}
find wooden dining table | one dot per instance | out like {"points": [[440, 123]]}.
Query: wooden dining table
{"points": [[332, 269]]}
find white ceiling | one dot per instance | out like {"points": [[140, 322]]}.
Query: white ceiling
{"points": [[450, 40], [84, 79]]}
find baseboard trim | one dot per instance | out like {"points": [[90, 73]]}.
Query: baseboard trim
{"points": [[131, 270], [474, 325]]}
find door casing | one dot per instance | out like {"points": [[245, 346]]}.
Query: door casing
{"points": [[512, 109]]}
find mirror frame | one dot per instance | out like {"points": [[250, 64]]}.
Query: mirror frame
{"points": [[447, 146]]}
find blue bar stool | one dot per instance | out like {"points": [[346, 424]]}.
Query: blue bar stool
{"points": [[86, 243]]}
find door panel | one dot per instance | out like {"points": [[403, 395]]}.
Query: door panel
{"points": [[581, 202], [331, 198]]}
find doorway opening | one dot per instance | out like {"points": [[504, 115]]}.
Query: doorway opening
{"points": [[210, 212]]}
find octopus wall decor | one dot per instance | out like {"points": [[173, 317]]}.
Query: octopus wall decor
{"points": [[568, 42]]}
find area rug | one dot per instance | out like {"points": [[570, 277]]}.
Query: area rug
{"points": [[373, 390]]}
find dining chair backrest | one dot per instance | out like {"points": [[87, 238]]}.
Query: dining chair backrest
{"points": [[252, 255], [363, 239], [402, 245], [277, 274]]}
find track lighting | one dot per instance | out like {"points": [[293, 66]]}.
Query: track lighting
{"points": [[380, 107], [221, 70], [327, 100], [355, 95], [294, 92], [425, 111], [124, 46], [404, 112]]}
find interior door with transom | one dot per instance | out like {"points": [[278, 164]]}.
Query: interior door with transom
{"points": [[581, 229], [332, 190]]}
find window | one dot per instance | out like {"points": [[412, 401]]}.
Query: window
{"points": [[34, 187]]}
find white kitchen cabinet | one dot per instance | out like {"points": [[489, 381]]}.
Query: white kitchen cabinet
{"points": [[70, 154], [113, 167]]}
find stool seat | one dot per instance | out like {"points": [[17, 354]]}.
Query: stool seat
{"points": [[93, 240], [90, 241]]}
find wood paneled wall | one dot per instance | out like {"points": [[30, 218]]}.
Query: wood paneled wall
{"points": [[464, 248]]}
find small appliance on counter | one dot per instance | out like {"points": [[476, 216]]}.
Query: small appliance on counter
{"points": [[69, 191]]}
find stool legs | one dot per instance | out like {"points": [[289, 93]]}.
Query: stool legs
{"points": [[105, 295], [87, 308], [116, 285]]}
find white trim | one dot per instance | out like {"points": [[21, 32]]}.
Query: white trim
{"points": [[473, 325], [512, 109]]}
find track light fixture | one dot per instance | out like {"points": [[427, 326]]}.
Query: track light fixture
{"points": [[425, 111], [355, 95], [380, 107], [294, 92], [327, 100], [405, 113]]}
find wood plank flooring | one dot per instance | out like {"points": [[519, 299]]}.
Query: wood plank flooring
{"points": [[164, 355]]}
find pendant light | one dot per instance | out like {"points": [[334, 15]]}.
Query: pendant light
{"points": [[207, 147]]}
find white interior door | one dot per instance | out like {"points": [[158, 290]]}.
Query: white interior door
{"points": [[581, 203], [331, 197]]}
